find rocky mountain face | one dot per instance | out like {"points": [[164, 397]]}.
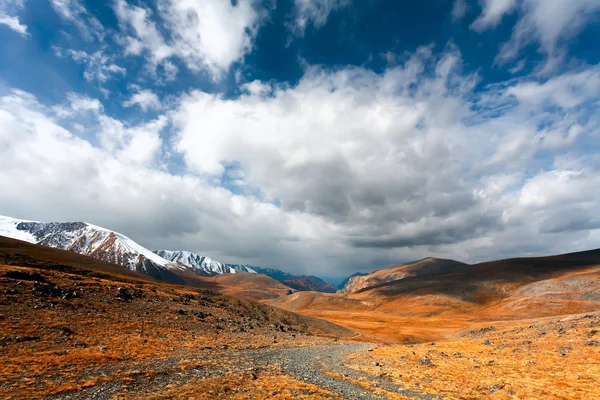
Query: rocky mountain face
{"points": [[90, 240], [425, 267], [200, 264], [345, 281]]}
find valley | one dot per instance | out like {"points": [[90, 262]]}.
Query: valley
{"points": [[76, 327]]}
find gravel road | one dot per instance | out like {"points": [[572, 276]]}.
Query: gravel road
{"points": [[308, 364], [305, 363]]}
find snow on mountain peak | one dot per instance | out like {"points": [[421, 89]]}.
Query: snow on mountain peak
{"points": [[87, 239], [198, 263]]}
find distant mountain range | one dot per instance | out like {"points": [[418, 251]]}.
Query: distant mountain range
{"points": [[298, 282], [113, 247]]}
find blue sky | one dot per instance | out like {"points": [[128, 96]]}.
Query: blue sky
{"points": [[315, 136]]}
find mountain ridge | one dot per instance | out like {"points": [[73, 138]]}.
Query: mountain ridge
{"points": [[424, 267]]}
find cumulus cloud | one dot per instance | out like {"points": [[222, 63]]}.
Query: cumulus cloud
{"points": [[387, 161], [8, 11], [209, 35], [145, 99], [109, 185], [348, 169]]}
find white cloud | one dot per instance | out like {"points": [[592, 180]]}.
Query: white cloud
{"points": [[210, 35], [8, 9], [386, 161], [566, 91], [315, 12], [459, 9], [98, 66], [548, 23], [145, 99], [78, 104], [74, 12], [347, 169], [146, 34], [492, 13]]}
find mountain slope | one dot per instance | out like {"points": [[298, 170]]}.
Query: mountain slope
{"points": [[424, 267], [90, 240], [430, 307], [298, 282]]}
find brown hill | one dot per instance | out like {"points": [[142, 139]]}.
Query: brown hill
{"points": [[424, 267], [308, 283], [250, 286], [71, 322], [431, 307]]}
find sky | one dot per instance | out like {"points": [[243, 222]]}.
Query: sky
{"points": [[315, 136]]}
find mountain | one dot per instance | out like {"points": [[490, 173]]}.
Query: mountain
{"points": [[345, 281], [424, 267], [426, 307], [180, 267], [201, 265], [93, 241], [297, 282]]}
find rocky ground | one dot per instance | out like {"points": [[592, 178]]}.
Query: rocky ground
{"points": [[322, 368]]}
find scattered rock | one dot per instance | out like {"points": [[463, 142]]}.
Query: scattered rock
{"points": [[488, 342], [26, 338], [425, 361], [66, 331], [43, 289], [592, 343], [124, 294], [497, 386], [25, 276], [102, 347]]}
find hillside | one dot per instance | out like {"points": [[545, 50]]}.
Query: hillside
{"points": [[296, 282], [246, 285], [431, 307], [424, 267], [71, 323]]}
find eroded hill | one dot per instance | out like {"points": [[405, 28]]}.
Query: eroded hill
{"points": [[420, 308]]}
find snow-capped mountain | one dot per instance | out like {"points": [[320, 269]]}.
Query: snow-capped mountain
{"points": [[200, 264], [244, 268], [90, 240]]}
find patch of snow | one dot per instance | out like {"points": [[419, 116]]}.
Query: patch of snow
{"points": [[8, 228]]}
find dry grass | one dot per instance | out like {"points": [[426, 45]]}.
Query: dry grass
{"points": [[82, 333], [250, 385], [549, 359], [368, 385]]}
